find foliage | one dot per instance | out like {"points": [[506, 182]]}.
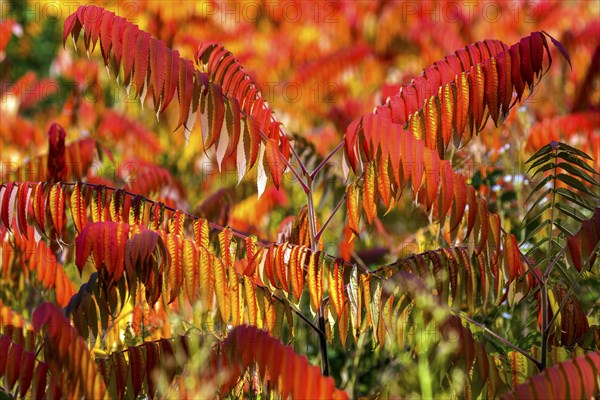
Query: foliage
{"points": [[406, 247]]}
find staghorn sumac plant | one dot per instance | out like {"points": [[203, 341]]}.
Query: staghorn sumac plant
{"points": [[131, 294]]}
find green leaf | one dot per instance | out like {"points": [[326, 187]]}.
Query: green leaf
{"points": [[376, 289], [536, 230], [538, 201], [354, 298], [577, 172], [538, 187], [578, 161], [562, 268], [569, 180], [575, 198], [544, 150], [541, 161], [571, 212], [569, 149], [559, 224], [538, 213], [546, 167]]}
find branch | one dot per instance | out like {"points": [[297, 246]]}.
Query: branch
{"points": [[337, 207], [288, 165], [300, 163], [500, 338], [214, 225], [325, 160], [572, 287], [558, 256], [302, 317]]}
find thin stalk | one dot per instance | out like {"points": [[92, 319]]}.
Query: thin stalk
{"points": [[300, 163], [337, 207], [312, 221], [304, 185], [554, 262], [544, 294], [323, 342], [544, 286], [572, 287], [290, 166], [303, 318], [501, 339], [325, 160]]}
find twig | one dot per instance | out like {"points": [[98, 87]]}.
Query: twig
{"points": [[325, 160], [337, 207], [500, 338], [571, 288], [302, 317]]}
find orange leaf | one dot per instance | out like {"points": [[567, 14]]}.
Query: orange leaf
{"points": [[336, 287], [274, 161], [314, 277]]}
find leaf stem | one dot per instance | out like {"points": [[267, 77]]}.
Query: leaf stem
{"points": [[312, 221], [304, 184], [546, 276], [323, 342], [500, 338], [337, 207], [572, 287], [325, 160], [302, 317], [300, 163]]}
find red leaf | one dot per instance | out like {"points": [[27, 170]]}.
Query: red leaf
{"points": [[274, 161], [105, 241], [14, 365], [185, 87], [23, 196], [130, 34], [106, 26], [336, 287], [56, 205], [171, 77], [26, 371], [138, 369], [7, 203], [512, 256], [56, 168], [4, 346], [158, 65], [141, 71], [39, 382]]}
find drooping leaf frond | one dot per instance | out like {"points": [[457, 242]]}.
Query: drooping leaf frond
{"points": [[583, 246], [575, 379], [67, 355], [152, 67], [566, 187], [449, 99], [472, 281], [139, 369], [434, 183], [35, 258], [19, 367], [289, 373]]}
